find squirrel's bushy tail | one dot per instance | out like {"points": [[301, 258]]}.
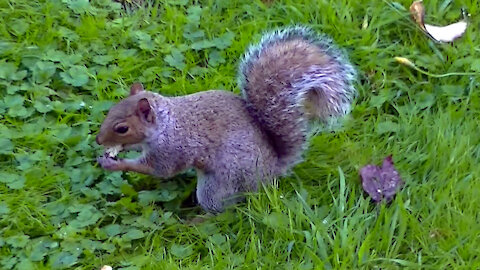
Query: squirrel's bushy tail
{"points": [[292, 76]]}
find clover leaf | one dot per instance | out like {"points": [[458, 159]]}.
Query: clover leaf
{"points": [[18, 27], [133, 234], [181, 251], [76, 75], [7, 68], [112, 229], [78, 6], [6, 146], [42, 71], [43, 105], [176, 59]]}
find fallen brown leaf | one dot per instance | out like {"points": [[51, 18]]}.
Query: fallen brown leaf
{"points": [[381, 183]]}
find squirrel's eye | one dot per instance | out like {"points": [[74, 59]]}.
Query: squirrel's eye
{"points": [[121, 129]]}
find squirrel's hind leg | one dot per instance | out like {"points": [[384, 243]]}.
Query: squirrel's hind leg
{"points": [[214, 193], [226, 186], [244, 161]]}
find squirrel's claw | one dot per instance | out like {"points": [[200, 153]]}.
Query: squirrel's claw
{"points": [[109, 163]]}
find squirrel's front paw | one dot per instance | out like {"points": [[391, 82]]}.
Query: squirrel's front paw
{"points": [[109, 163]]}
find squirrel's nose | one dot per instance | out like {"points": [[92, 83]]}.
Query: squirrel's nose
{"points": [[98, 140]]}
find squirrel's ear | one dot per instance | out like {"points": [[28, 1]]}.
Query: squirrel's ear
{"points": [[144, 111], [136, 88]]}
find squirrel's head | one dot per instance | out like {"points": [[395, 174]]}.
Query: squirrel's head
{"points": [[127, 122]]}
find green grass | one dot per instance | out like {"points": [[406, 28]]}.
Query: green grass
{"points": [[64, 63]]}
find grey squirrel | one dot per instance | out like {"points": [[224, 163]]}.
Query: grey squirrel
{"points": [[291, 77]]}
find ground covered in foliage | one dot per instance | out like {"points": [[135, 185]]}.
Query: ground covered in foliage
{"points": [[64, 63]]}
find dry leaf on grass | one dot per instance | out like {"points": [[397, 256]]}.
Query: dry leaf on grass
{"points": [[381, 183], [438, 33]]}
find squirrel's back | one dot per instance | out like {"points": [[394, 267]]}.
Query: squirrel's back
{"points": [[292, 76]]}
